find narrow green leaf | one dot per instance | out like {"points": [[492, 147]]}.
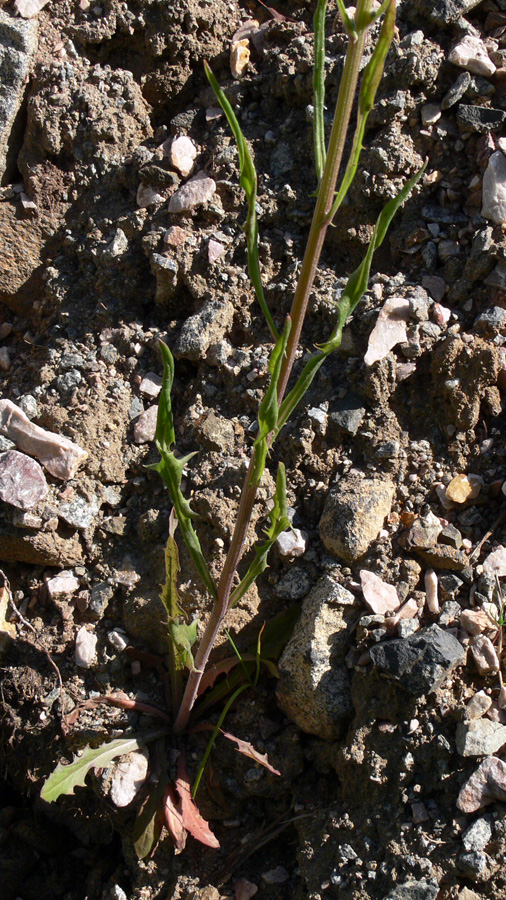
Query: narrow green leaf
{"points": [[368, 87], [171, 471], [268, 411], [349, 24], [214, 735], [67, 777], [353, 293], [248, 182], [279, 522], [150, 820], [320, 153]]}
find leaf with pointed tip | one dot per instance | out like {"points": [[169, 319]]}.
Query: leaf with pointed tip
{"points": [[192, 820], [174, 818], [248, 749], [67, 777], [149, 822], [248, 182], [171, 469], [268, 411], [279, 522]]}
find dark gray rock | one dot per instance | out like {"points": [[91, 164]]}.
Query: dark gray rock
{"points": [[101, 593], [477, 836], [491, 322], [419, 663], [475, 865], [457, 90], [346, 416], [18, 43], [206, 327], [414, 890], [294, 585], [444, 12], [480, 118]]}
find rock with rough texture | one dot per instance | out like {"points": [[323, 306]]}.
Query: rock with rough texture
{"points": [[315, 686], [425, 531], [486, 784], [444, 12], [46, 548], [86, 646], [166, 271], [60, 456], [413, 890], [354, 514], [18, 43], [79, 512], [196, 192], [477, 836], [480, 118], [494, 189], [205, 328], [480, 737], [419, 663], [22, 481], [470, 53], [128, 777]]}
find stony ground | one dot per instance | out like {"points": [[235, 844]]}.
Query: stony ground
{"points": [[388, 719]]}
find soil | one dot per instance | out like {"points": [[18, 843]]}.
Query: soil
{"points": [[372, 815]]}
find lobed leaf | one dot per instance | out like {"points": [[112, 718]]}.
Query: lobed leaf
{"points": [[66, 778], [248, 749], [191, 818], [171, 470]]}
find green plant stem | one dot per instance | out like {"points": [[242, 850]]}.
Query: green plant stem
{"points": [[320, 222], [319, 225]]}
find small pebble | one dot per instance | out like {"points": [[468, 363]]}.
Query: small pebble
{"points": [[196, 192], [484, 655], [292, 543], [86, 645], [128, 778], [239, 58], [478, 705], [61, 586], [22, 481], [148, 196], [463, 488], [471, 53], [5, 359], [379, 596], [182, 155], [145, 426], [276, 876], [495, 563], [151, 384]]}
